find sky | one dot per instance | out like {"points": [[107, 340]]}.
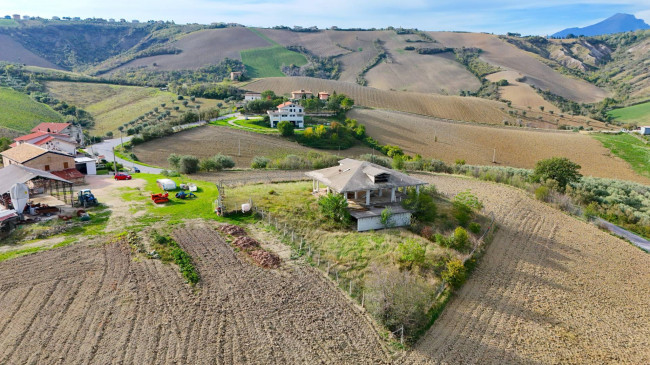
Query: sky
{"points": [[539, 17]]}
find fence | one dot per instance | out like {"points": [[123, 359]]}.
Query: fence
{"points": [[266, 177]]}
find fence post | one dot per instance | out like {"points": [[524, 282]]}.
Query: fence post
{"points": [[328, 268], [318, 262], [337, 277], [350, 289], [292, 235], [363, 297], [301, 241]]}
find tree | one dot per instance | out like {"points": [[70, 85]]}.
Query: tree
{"points": [[286, 128], [335, 207], [398, 162], [560, 169], [268, 95], [541, 107], [410, 252], [5, 143], [422, 204], [188, 164], [455, 273], [174, 160]]}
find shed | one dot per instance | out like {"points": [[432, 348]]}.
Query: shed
{"points": [[86, 165], [38, 181], [166, 184]]}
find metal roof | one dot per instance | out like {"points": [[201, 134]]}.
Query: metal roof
{"points": [[352, 175], [13, 174]]}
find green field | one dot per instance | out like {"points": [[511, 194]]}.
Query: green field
{"points": [[630, 149], [20, 113], [113, 105], [8, 23], [267, 61], [638, 114]]}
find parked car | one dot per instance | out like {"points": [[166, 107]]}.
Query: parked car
{"points": [[135, 169], [122, 176]]}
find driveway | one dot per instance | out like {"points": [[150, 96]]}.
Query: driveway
{"points": [[106, 148]]}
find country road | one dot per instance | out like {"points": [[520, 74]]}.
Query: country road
{"points": [[106, 148]]}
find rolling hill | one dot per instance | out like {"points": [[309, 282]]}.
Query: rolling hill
{"points": [[617, 23], [19, 113]]}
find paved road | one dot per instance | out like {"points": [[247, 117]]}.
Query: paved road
{"points": [[636, 240], [106, 148]]}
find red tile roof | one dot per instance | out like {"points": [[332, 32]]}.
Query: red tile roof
{"points": [[30, 136], [287, 103], [52, 127], [44, 140], [68, 174]]}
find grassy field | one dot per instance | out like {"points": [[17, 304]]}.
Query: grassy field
{"points": [[113, 105], [267, 61], [9, 23], [630, 149], [636, 114], [20, 113]]}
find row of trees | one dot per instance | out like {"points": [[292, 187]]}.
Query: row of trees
{"points": [[188, 164]]}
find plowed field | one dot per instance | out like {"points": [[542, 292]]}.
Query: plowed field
{"points": [[95, 304], [549, 290]]}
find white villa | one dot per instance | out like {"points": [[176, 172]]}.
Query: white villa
{"points": [[252, 96], [289, 112], [369, 189], [55, 142], [70, 130]]}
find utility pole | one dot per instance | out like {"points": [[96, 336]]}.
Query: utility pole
{"points": [[494, 156], [114, 162], [239, 154]]}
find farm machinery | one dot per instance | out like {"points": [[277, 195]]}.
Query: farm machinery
{"points": [[183, 195], [160, 198], [86, 198]]}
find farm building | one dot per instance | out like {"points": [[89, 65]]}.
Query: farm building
{"points": [[252, 96], [301, 94], [289, 112], [69, 129], [323, 95], [369, 189], [645, 131], [38, 181], [50, 141], [235, 76], [37, 157]]}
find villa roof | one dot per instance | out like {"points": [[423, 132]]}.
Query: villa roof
{"points": [[286, 103], [353, 175]]}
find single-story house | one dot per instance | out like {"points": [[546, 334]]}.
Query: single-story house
{"points": [[301, 94], [69, 129], [369, 189], [37, 157], [645, 131], [252, 96], [289, 112]]}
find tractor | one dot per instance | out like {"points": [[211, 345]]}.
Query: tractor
{"points": [[86, 198]]}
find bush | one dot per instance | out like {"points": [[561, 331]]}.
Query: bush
{"points": [[465, 203], [475, 228], [410, 252], [386, 217], [461, 239], [286, 128], [542, 193], [188, 164], [335, 207], [422, 204], [455, 273], [378, 160], [398, 162], [207, 165], [291, 162], [560, 169], [223, 161], [174, 160], [260, 162]]}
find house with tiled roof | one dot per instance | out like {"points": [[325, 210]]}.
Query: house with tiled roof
{"points": [[301, 94], [51, 141], [69, 129], [290, 112], [36, 157]]}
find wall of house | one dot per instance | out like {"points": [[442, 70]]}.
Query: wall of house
{"points": [[398, 220], [60, 146], [54, 161]]}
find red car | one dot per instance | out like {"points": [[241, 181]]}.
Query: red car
{"points": [[121, 176]]}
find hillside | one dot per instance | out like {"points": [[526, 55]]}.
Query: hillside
{"points": [[476, 145], [617, 23], [19, 113]]}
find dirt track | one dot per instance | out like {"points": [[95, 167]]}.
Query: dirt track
{"points": [[85, 304], [550, 289]]}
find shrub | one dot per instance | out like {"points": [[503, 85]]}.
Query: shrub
{"points": [[291, 162], [378, 160], [455, 273], [427, 232], [335, 207], [410, 252], [461, 239], [542, 193], [422, 204], [188, 164], [286, 128], [560, 169], [465, 203], [387, 217], [223, 161], [475, 228], [174, 160], [260, 162], [207, 164], [591, 210], [398, 162]]}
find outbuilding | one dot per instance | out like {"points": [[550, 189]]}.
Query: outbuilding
{"points": [[645, 131]]}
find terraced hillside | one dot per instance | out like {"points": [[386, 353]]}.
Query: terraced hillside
{"points": [[543, 293], [515, 147], [95, 304]]}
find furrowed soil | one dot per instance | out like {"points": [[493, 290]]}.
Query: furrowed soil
{"points": [[516, 147], [549, 290], [95, 303], [211, 140]]}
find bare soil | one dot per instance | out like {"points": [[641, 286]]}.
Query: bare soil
{"points": [[93, 303], [517, 147], [549, 290], [12, 51]]}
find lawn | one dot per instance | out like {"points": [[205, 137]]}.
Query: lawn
{"points": [[259, 125], [630, 149], [21, 113], [638, 114], [267, 61]]}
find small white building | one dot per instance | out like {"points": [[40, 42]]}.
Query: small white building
{"points": [[86, 165], [369, 190], [290, 112], [252, 96], [645, 131]]}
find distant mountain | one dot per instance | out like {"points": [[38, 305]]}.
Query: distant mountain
{"points": [[614, 24]]}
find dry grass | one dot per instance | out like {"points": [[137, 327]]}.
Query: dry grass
{"points": [[520, 93], [516, 147], [204, 47], [211, 140], [441, 106], [509, 57], [13, 51], [547, 291]]}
